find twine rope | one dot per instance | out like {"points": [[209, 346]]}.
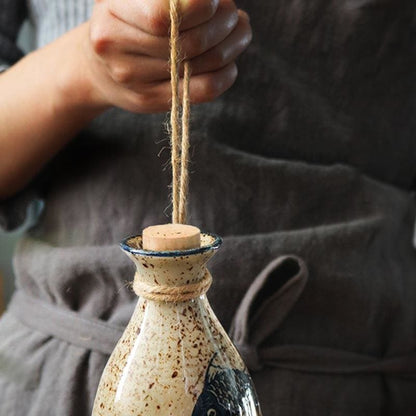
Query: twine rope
{"points": [[179, 121], [162, 293]]}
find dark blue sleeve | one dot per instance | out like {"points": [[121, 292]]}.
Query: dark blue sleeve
{"points": [[14, 211], [12, 15]]}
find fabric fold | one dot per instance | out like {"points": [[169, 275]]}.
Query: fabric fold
{"points": [[268, 301], [266, 304]]}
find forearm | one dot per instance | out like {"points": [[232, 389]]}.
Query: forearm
{"points": [[45, 100]]}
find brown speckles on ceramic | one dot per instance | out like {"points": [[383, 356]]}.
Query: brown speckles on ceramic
{"points": [[160, 363]]}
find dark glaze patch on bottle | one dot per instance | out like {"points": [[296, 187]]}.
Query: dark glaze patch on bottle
{"points": [[225, 391]]}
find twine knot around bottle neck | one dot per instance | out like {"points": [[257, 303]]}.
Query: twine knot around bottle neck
{"points": [[164, 293], [171, 276]]}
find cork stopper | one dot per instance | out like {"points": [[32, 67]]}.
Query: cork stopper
{"points": [[168, 237]]}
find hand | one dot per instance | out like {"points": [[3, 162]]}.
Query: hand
{"points": [[118, 58], [128, 50]]}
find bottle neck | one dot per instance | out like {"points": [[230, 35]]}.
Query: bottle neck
{"points": [[173, 293], [149, 314]]}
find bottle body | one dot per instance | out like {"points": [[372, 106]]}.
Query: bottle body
{"points": [[175, 359]]}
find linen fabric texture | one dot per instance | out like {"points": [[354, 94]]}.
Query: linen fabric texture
{"points": [[306, 167]]}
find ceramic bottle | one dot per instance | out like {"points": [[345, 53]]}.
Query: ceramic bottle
{"points": [[174, 358]]}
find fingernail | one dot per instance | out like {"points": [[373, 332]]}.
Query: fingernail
{"points": [[184, 4]]}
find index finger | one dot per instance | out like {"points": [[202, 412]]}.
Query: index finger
{"points": [[153, 16]]}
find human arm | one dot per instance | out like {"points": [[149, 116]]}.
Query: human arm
{"points": [[118, 58]]}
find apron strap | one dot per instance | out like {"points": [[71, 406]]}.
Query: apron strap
{"points": [[66, 325], [100, 336]]}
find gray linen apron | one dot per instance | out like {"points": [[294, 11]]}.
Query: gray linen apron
{"points": [[307, 168]]}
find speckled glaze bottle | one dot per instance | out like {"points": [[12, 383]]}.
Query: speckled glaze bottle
{"points": [[174, 358]]}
